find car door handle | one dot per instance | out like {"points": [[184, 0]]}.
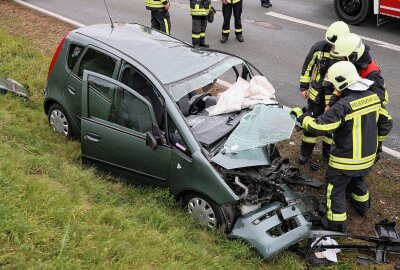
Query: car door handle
{"points": [[71, 90], [93, 136]]}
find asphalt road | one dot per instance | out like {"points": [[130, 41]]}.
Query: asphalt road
{"points": [[276, 46]]}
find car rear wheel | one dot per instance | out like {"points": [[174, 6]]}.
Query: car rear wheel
{"points": [[353, 11], [204, 211], [59, 121]]}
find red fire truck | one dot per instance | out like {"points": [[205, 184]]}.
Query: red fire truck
{"points": [[357, 11]]}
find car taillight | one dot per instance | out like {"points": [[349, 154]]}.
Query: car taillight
{"points": [[57, 52]]}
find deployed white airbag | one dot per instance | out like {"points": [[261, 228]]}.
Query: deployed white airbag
{"points": [[243, 94]]}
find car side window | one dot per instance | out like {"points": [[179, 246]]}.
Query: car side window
{"points": [[176, 139], [74, 53], [97, 62], [114, 104]]}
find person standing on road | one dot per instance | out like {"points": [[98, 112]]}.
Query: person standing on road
{"points": [[227, 7], [160, 19], [266, 3], [313, 72], [351, 48], [199, 9], [356, 121]]}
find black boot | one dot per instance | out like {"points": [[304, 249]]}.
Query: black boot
{"points": [[303, 159], [224, 39], [239, 37], [203, 43], [196, 42], [266, 4], [334, 226]]}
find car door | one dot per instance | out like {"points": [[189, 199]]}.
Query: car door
{"points": [[92, 59], [114, 123]]}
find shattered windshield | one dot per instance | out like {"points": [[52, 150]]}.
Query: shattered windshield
{"points": [[262, 126], [181, 88]]}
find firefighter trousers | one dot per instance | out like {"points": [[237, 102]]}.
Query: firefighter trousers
{"points": [[337, 182], [227, 13], [308, 140], [199, 25], [160, 20]]}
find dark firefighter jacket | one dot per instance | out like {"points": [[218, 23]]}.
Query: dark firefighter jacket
{"points": [[357, 121], [314, 69], [200, 7], [155, 4], [368, 69]]}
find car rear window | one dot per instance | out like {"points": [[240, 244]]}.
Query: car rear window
{"points": [[97, 62], [74, 52]]}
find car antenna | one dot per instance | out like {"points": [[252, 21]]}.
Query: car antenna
{"points": [[112, 24]]}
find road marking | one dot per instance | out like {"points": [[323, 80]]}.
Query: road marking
{"points": [[385, 149], [323, 27], [75, 23]]}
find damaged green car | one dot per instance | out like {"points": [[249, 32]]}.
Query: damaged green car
{"points": [[139, 102]]}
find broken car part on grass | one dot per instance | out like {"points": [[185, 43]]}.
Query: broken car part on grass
{"points": [[14, 87]]}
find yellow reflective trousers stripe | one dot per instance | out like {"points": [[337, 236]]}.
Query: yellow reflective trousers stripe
{"points": [[166, 26], [363, 198], [329, 214], [309, 139], [327, 140]]}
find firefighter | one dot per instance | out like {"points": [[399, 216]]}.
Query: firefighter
{"points": [[159, 15], [199, 9], [227, 7], [351, 48], [314, 69], [356, 121]]}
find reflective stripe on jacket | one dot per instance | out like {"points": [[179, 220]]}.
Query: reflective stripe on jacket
{"points": [[200, 7], [314, 69], [356, 121], [155, 4]]}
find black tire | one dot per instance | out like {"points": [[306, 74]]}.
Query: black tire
{"points": [[59, 121], [193, 200], [353, 11]]}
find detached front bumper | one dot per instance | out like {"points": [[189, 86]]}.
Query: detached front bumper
{"points": [[272, 228]]}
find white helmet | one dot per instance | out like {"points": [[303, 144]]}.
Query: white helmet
{"points": [[336, 30], [350, 47], [344, 75]]}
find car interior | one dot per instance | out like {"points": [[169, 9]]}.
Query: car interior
{"points": [[133, 79]]}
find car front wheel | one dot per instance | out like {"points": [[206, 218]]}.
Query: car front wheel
{"points": [[59, 121], [204, 211]]}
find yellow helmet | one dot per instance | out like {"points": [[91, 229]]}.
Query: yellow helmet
{"points": [[350, 47], [336, 30], [344, 75]]}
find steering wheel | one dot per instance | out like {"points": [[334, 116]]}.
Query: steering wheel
{"points": [[198, 103]]}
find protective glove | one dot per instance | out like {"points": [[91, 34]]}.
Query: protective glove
{"points": [[296, 112]]}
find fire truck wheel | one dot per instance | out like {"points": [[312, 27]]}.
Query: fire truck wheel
{"points": [[353, 11]]}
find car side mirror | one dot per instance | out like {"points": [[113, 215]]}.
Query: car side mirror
{"points": [[151, 142]]}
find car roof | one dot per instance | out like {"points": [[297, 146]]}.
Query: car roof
{"points": [[169, 59]]}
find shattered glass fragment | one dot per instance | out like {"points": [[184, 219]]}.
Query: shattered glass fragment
{"points": [[262, 126]]}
